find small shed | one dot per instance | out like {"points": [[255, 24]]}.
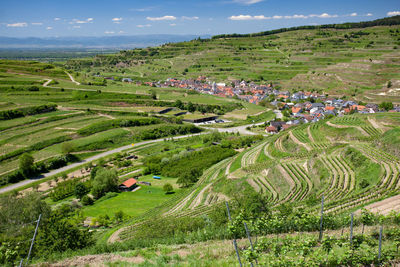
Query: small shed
{"points": [[128, 185]]}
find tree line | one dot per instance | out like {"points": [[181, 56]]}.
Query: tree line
{"points": [[395, 20]]}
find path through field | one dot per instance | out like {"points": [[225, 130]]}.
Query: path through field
{"points": [[72, 78]]}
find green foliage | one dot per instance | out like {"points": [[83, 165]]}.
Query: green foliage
{"points": [[395, 20], [21, 112], [26, 164], [167, 188], [167, 130], [80, 190], [59, 234], [87, 200], [106, 180], [386, 106], [116, 123], [67, 148], [187, 166]]}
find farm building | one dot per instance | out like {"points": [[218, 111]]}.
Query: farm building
{"points": [[128, 185]]}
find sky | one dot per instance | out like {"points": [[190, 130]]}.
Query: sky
{"points": [[62, 18]]}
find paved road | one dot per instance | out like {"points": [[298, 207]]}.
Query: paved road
{"points": [[76, 164], [240, 129]]}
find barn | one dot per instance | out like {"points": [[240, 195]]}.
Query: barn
{"points": [[128, 185]]}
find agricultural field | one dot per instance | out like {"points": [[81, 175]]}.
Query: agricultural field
{"points": [[198, 187], [338, 62]]}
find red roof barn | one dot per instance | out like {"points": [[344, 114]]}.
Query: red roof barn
{"points": [[128, 185]]}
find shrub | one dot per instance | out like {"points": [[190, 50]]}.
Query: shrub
{"points": [[87, 201]]}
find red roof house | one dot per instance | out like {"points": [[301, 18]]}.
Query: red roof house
{"points": [[128, 185], [271, 129]]}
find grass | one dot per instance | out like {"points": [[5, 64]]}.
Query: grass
{"points": [[134, 203]]}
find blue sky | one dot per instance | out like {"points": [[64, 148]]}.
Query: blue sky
{"points": [[44, 18]]}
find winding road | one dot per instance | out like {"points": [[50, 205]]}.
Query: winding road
{"points": [[240, 129]]}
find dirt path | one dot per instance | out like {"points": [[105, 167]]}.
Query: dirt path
{"points": [[47, 82], [290, 181], [254, 184], [229, 166], [269, 186], [297, 141], [196, 202], [338, 126], [347, 126], [377, 125], [106, 115], [72, 78], [385, 206], [310, 135]]}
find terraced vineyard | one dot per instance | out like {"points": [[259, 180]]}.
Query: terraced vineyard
{"points": [[282, 177], [327, 168]]}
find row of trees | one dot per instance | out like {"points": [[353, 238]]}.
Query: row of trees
{"points": [[21, 112], [395, 20]]}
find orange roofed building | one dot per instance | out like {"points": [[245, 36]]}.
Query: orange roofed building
{"points": [[128, 185]]}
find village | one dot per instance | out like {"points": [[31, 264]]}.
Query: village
{"points": [[292, 108]]}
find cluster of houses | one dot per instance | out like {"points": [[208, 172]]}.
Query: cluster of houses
{"points": [[303, 107]]}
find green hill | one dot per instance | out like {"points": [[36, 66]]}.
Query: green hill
{"points": [[351, 58]]}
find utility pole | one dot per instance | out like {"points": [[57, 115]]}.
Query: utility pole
{"points": [[234, 239], [33, 239], [322, 218]]}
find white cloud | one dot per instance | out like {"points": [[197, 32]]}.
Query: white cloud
{"points": [[143, 26], [369, 15], [109, 32], [325, 16], [117, 20], [37, 23], [277, 17], [241, 17], [49, 28], [57, 19], [189, 18], [393, 13], [18, 24], [76, 27], [77, 21], [161, 18], [121, 32], [353, 14], [172, 24], [247, 2]]}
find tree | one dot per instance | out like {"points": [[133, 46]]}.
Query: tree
{"points": [[119, 216], [86, 200], [26, 164], [67, 148], [191, 107], [168, 189], [386, 105], [80, 190], [59, 234], [106, 180]]}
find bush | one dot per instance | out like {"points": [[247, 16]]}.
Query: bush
{"points": [[167, 188], [87, 201]]}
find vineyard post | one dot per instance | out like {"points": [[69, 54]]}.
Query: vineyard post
{"points": [[234, 239], [249, 237], [322, 217], [351, 230], [20, 263], [380, 244], [33, 239]]}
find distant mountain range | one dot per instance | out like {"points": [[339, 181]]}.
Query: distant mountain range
{"points": [[107, 42]]}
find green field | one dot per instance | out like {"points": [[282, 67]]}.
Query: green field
{"points": [[135, 203]]}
